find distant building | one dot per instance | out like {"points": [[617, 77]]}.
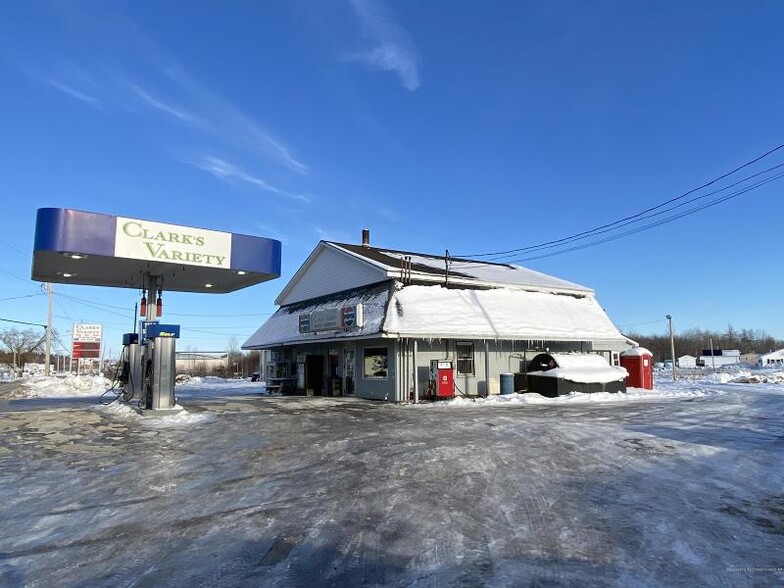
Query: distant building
{"points": [[750, 358], [718, 357], [687, 361], [772, 359], [200, 362], [35, 369]]}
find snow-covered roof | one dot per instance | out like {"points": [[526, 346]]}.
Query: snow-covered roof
{"points": [[282, 328], [636, 352], [445, 313], [502, 313], [432, 268]]}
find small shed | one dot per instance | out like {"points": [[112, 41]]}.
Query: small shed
{"points": [[687, 361], [556, 374]]}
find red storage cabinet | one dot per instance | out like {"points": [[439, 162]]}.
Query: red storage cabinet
{"points": [[639, 363]]}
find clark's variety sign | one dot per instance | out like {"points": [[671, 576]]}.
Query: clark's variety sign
{"points": [[151, 241], [333, 319], [86, 341]]}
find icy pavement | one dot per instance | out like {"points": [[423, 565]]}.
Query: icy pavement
{"points": [[680, 487]]}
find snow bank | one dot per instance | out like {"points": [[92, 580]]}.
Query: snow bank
{"points": [[631, 395], [214, 386], [746, 377], [123, 412], [67, 387]]}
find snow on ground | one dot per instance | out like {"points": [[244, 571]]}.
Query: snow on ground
{"points": [[680, 486], [214, 386], [64, 387], [690, 385], [72, 386], [183, 418]]}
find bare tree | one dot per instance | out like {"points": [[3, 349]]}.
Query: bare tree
{"points": [[234, 357], [21, 346]]}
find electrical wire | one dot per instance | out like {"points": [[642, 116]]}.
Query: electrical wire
{"points": [[5, 320], [646, 214], [651, 225], [588, 234], [20, 297]]}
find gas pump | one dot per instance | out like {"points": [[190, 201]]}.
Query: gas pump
{"points": [[130, 378], [442, 378], [159, 366]]}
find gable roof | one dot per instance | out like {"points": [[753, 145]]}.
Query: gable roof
{"points": [[432, 268], [367, 265]]}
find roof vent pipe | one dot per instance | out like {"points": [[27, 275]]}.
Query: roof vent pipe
{"points": [[365, 237]]}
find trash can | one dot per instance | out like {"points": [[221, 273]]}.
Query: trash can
{"points": [[507, 384]]}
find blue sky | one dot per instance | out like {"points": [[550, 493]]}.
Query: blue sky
{"points": [[469, 126]]}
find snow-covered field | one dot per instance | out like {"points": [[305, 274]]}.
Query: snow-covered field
{"points": [[680, 486]]}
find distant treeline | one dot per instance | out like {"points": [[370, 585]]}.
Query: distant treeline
{"points": [[693, 341]]}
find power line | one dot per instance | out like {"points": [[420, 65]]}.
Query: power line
{"points": [[25, 280], [642, 323], [202, 315], [20, 297], [13, 248], [652, 225], [5, 320], [619, 224], [642, 215]]}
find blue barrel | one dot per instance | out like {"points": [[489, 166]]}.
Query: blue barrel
{"points": [[507, 384]]}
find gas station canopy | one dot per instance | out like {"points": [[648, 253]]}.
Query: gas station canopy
{"points": [[75, 247]]}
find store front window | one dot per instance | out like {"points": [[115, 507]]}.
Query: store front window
{"points": [[375, 362], [465, 359]]}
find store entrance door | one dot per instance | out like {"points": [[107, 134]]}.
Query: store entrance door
{"points": [[314, 375], [349, 359]]}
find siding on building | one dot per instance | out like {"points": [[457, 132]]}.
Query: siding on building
{"points": [[328, 271], [774, 358], [507, 314], [687, 361]]}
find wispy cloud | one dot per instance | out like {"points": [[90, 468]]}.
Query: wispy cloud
{"points": [[153, 102], [223, 120], [67, 78], [228, 172], [156, 81], [72, 92], [393, 50]]}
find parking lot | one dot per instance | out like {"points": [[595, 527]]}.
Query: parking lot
{"points": [[252, 490]]}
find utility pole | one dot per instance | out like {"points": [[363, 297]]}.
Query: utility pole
{"points": [[672, 348], [49, 290]]}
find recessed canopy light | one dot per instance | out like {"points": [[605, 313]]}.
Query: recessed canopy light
{"points": [[67, 274], [241, 272], [75, 255], [208, 285]]}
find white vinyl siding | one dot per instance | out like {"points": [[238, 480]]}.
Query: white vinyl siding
{"points": [[331, 271]]}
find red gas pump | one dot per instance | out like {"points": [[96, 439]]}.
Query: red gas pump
{"points": [[446, 380]]}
